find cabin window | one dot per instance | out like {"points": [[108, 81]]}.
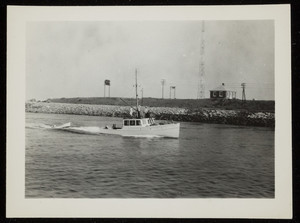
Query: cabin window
{"points": [[138, 122], [214, 94], [126, 122], [221, 93], [132, 122]]}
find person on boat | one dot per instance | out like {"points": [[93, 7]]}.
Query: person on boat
{"points": [[131, 112], [139, 112], [147, 112]]}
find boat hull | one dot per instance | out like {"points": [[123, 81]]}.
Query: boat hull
{"points": [[167, 130]]}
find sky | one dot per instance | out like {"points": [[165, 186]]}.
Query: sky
{"points": [[72, 59]]}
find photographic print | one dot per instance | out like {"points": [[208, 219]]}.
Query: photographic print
{"points": [[167, 109], [189, 147]]}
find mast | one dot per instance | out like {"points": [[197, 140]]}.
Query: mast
{"points": [[136, 92]]}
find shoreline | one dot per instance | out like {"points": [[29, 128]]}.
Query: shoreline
{"points": [[205, 115]]}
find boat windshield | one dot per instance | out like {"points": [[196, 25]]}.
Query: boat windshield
{"points": [[132, 122]]}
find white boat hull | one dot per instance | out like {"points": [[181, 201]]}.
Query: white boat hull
{"points": [[167, 130]]}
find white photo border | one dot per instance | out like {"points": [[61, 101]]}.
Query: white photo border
{"points": [[17, 205]]}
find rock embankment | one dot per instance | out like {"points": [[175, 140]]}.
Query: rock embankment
{"points": [[234, 117]]}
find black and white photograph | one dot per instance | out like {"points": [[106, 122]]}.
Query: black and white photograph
{"points": [[175, 109]]}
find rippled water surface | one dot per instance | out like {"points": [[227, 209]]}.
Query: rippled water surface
{"points": [[208, 160]]}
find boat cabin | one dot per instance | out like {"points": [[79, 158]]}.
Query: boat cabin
{"points": [[138, 122]]}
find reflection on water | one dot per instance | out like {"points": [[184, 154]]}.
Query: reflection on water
{"points": [[206, 161]]}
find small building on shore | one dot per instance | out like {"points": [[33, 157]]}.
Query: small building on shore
{"points": [[222, 92]]}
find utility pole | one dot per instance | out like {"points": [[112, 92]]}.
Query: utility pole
{"points": [[163, 81], [174, 92], [244, 93]]}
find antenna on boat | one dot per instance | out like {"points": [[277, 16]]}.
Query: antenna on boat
{"points": [[136, 92], [136, 95]]}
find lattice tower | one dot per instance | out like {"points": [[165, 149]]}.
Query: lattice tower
{"points": [[201, 83]]}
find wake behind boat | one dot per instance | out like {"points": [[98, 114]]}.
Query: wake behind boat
{"points": [[62, 126]]}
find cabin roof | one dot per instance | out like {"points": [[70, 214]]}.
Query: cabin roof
{"points": [[135, 119], [221, 88]]}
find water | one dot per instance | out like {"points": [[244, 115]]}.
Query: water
{"points": [[207, 161]]}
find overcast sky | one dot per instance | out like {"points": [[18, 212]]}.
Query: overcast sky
{"points": [[72, 59]]}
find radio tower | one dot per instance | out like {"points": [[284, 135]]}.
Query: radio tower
{"points": [[201, 83]]}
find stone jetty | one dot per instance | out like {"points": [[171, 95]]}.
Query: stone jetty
{"points": [[233, 117]]}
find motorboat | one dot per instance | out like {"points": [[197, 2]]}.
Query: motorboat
{"points": [[135, 126], [143, 127]]}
